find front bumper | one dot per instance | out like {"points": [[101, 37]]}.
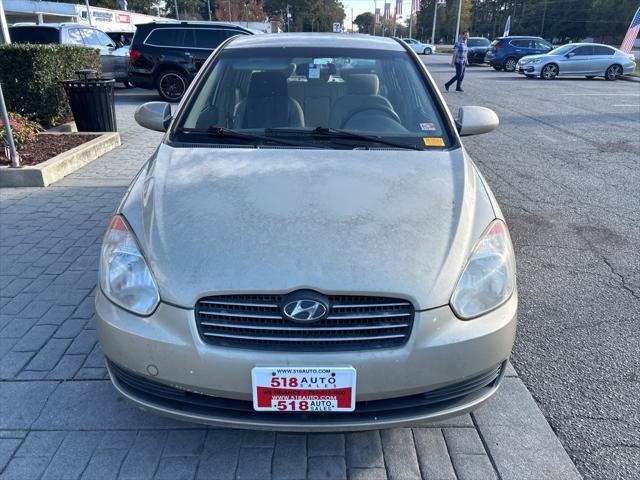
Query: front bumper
{"points": [[442, 351], [528, 69]]}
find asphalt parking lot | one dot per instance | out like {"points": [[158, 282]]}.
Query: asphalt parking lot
{"points": [[564, 166]]}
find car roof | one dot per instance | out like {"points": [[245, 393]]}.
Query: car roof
{"points": [[322, 40], [53, 25], [192, 23]]}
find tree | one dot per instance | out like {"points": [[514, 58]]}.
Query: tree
{"points": [[244, 10], [365, 22], [142, 6], [308, 15]]}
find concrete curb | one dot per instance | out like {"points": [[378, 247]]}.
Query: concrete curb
{"points": [[518, 438], [630, 78], [69, 127], [61, 165]]}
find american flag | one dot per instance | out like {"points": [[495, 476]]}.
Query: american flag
{"points": [[398, 8], [416, 5], [507, 27], [632, 33], [387, 11], [377, 16]]}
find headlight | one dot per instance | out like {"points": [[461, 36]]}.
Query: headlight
{"points": [[489, 278], [125, 277], [537, 60]]}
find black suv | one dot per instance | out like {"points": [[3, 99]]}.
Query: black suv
{"points": [[167, 55]]}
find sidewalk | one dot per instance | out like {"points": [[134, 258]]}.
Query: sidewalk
{"points": [[60, 418]]}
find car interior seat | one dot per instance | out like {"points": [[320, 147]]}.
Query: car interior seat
{"points": [[268, 104]]}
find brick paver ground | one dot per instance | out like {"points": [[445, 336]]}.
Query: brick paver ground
{"points": [[61, 419]]}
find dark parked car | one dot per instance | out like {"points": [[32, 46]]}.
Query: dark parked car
{"points": [[504, 53], [114, 60], [167, 55], [478, 47]]}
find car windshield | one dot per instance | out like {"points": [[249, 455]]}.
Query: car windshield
{"points": [[478, 42], [562, 50], [312, 96]]}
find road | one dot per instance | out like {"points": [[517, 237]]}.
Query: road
{"points": [[564, 166]]}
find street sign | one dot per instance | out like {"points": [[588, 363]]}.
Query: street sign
{"points": [[337, 27]]}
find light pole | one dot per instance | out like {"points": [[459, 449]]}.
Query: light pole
{"points": [[209, 9], [175, 3], [13, 154], [433, 28], [458, 21]]}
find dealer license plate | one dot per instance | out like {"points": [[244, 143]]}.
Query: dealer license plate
{"points": [[304, 389]]}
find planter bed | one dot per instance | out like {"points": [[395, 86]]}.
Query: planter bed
{"points": [[55, 155]]}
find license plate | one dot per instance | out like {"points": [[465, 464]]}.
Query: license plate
{"points": [[304, 389]]}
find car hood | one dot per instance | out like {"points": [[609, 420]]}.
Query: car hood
{"points": [[385, 222]]}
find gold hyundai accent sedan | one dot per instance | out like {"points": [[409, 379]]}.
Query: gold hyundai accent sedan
{"points": [[310, 247]]}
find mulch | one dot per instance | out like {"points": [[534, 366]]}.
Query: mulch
{"points": [[46, 147]]}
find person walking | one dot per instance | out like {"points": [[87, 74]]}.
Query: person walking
{"points": [[460, 62]]}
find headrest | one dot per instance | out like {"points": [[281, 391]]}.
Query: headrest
{"points": [[268, 84], [362, 84]]}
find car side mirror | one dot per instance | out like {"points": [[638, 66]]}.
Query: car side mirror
{"points": [[154, 116], [476, 120], [570, 54]]}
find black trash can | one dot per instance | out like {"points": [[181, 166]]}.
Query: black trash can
{"points": [[92, 102]]}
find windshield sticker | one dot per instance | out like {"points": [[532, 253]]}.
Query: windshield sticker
{"points": [[427, 126], [314, 71], [433, 141], [322, 61]]}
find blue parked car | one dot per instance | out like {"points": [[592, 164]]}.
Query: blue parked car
{"points": [[504, 52]]}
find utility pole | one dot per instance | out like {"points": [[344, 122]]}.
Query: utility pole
{"points": [[351, 19], [175, 4], [288, 16], [544, 14], [86, 4], [458, 21], [209, 9], [433, 28], [229, 2]]}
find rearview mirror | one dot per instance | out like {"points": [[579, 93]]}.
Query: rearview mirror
{"points": [[476, 120], [154, 116]]}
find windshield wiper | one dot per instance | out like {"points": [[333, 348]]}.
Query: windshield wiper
{"points": [[334, 133], [223, 132]]}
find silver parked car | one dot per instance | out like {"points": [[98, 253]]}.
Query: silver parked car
{"points": [[419, 47], [310, 247], [114, 60], [578, 59]]}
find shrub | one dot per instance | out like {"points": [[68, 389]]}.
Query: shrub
{"points": [[30, 76], [24, 131]]}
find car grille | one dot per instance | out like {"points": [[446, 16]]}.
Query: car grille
{"points": [[256, 321]]}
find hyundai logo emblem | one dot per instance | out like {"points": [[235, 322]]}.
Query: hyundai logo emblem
{"points": [[305, 310]]}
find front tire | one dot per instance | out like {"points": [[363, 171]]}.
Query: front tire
{"points": [[427, 51], [510, 64], [549, 72], [613, 73], [172, 85]]}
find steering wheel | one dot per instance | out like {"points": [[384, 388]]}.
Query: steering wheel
{"points": [[386, 111]]}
